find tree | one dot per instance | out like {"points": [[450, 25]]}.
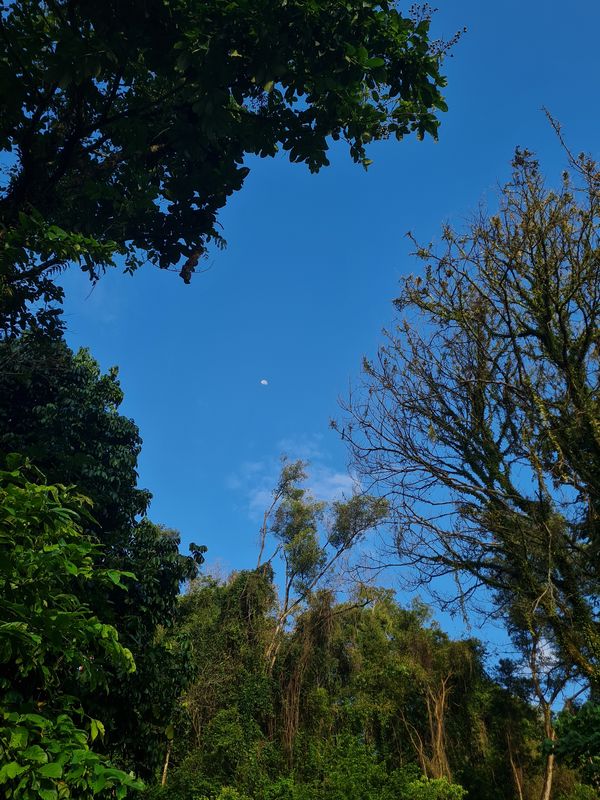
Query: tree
{"points": [[58, 408], [311, 537], [364, 697], [479, 419], [60, 411], [126, 125], [579, 740], [53, 649]]}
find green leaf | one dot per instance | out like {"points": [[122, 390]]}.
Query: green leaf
{"points": [[35, 754], [12, 770], [49, 794], [52, 770], [19, 738], [96, 727]]}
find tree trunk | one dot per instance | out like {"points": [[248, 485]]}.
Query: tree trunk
{"points": [[516, 771], [437, 701], [549, 766], [163, 779]]}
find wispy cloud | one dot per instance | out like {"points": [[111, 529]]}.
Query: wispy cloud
{"points": [[308, 447], [254, 481], [328, 484]]}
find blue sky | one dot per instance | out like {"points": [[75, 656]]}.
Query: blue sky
{"points": [[312, 264]]}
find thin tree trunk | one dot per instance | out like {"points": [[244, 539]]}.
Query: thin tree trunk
{"points": [[548, 778], [163, 780], [515, 770], [549, 765], [436, 702]]}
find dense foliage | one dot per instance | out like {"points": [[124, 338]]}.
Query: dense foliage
{"points": [[249, 688], [579, 740], [128, 123], [52, 645], [124, 128], [59, 410], [365, 700]]}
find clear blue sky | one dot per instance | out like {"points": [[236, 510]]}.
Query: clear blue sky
{"points": [[312, 264]]}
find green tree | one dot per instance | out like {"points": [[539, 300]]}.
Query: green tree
{"points": [[127, 124], [578, 742], [59, 410], [363, 698], [222, 735], [480, 416], [53, 649], [310, 537], [389, 678]]}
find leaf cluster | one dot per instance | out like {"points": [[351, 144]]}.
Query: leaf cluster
{"points": [[51, 645], [127, 126]]}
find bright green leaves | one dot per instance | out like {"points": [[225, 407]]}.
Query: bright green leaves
{"points": [[434, 789], [51, 645], [42, 552], [59, 409], [96, 729], [53, 770], [11, 770], [59, 765]]}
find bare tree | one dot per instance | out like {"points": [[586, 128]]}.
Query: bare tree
{"points": [[479, 418]]}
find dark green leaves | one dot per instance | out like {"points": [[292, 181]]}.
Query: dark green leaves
{"points": [[60, 410], [128, 123]]}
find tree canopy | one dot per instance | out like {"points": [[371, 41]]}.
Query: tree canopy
{"points": [[51, 644], [479, 417], [126, 124], [59, 410], [125, 128], [366, 700]]}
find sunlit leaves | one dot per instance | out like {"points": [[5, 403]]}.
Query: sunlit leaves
{"points": [[52, 647]]}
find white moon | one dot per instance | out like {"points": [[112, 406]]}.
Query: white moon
{"points": [[264, 382]]}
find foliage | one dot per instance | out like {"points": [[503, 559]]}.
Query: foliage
{"points": [[311, 539], [364, 699], [437, 789], [52, 646], [580, 792], [127, 124], [578, 741], [479, 417], [58, 409], [61, 411]]}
